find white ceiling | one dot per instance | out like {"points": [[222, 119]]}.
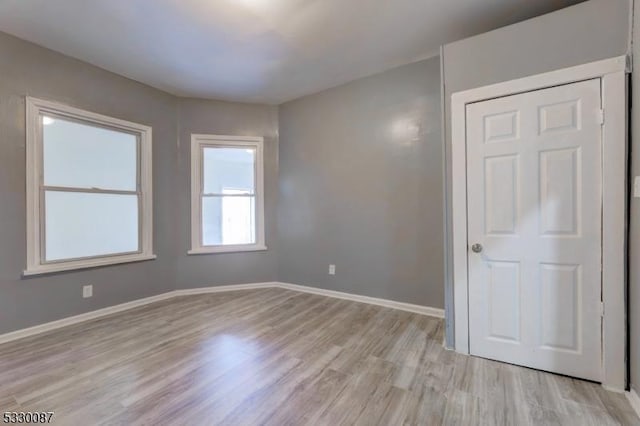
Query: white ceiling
{"points": [[255, 50]]}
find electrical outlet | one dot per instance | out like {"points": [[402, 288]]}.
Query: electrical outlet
{"points": [[87, 291], [332, 269]]}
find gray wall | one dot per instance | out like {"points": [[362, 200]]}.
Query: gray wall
{"points": [[586, 32], [634, 217], [225, 118], [361, 187], [27, 69]]}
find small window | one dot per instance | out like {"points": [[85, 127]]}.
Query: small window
{"points": [[88, 189], [227, 199]]}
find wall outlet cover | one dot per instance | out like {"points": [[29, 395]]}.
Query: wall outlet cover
{"points": [[87, 291]]}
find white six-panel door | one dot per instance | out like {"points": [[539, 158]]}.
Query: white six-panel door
{"points": [[534, 178]]}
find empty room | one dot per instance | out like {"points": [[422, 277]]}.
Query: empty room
{"points": [[320, 212]]}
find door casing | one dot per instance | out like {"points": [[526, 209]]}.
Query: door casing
{"points": [[612, 74]]}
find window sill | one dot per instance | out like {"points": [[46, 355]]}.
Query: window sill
{"points": [[226, 249], [88, 263]]}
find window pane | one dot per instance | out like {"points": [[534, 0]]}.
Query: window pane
{"points": [[84, 156], [228, 220], [82, 225], [231, 168]]}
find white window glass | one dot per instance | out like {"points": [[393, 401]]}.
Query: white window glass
{"points": [[90, 179], [228, 220], [227, 199], [83, 224], [238, 212], [84, 156], [228, 168], [228, 207]]}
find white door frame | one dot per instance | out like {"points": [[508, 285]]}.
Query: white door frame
{"points": [[612, 73]]}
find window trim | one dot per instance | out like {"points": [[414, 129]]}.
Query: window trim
{"points": [[198, 143], [36, 264]]}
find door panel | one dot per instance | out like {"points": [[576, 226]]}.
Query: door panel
{"points": [[501, 127], [501, 196], [559, 207], [560, 117], [561, 319], [504, 300], [534, 177]]}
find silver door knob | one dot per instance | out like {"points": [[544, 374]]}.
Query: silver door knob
{"points": [[476, 248]]}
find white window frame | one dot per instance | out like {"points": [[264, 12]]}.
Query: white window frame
{"points": [[198, 143], [36, 263]]}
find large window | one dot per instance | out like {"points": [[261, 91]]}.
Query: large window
{"points": [[227, 199], [88, 189]]}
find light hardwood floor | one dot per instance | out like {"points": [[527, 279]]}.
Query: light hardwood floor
{"points": [[280, 357]]}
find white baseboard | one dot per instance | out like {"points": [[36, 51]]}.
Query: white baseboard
{"points": [[48, 326], [409, 307], [634, 400], [43, 328], [221, 288], [614, 389]]}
